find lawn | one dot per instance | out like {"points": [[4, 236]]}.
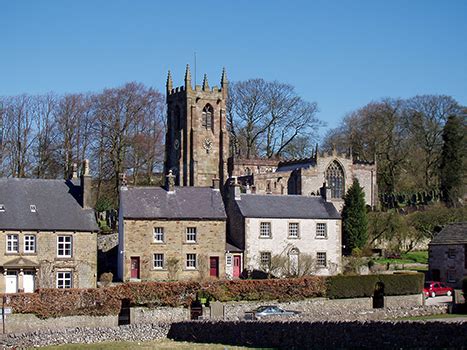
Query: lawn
{"points": [[419, 257], [156, 344]]}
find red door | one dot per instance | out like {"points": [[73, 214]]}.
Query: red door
{"points": [[134, 267], [214, 266], [236, 267]]}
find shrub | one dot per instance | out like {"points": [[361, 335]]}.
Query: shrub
{"points": [[464, 289], [363, 286]]}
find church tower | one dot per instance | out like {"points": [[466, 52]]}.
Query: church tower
{"points": [[197, 140]]}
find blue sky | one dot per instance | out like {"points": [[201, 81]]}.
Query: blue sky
{"points": [[341, 54]]}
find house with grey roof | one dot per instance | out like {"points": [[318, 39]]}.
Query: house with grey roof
{"points": [[48, 234], [285, 235], [447, 257], [171, 233]]}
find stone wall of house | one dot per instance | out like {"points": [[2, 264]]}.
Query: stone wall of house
{"points": [[449, 259], [139, 242], [82, 263], [280, 244]]}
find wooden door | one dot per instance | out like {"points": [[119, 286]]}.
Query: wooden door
{"points": [[237, 266], [28, 282], [134, 267], [214, 266], [11, 282]]}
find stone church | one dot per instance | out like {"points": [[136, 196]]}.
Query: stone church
{"points": [[197, 151]]}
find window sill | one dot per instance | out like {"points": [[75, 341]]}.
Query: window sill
{"points": [[190, 269], [190, 242], [158, 243], [321, 237], [265, 237], [291, 237], [159, 269]]}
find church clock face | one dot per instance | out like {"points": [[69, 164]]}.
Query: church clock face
{"points": [[207, 144]]}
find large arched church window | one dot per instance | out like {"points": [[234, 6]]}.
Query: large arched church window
{"points": [[335, 180], [207, 116]]}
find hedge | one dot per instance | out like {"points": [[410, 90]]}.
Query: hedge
{"points": [[339, 287], [107, 301]]}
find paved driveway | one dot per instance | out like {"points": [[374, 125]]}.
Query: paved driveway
{"points": [[438, 300]]}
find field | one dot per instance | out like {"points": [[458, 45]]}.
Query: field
{"points": [[419, 257]]}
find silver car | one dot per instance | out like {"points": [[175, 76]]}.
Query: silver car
{"points": [[269, 311]]}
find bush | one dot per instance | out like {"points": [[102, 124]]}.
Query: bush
{"points": [[464, 289], [363, 286]]}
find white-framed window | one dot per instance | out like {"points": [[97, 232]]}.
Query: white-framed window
{"points": [[265, 259], [321, 230], [191, 234], [64, 246], [228, 260], [191, 261], [64, 279], [293, 229], [29, 244], [451, 253], [12, 244], [158, 261], [159, 234], [33, 208], [2, 208], [321, 260], [265, 229]]}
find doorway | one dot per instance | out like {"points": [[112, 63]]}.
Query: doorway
{"points": [[134, 267], [11, 282], [214, 266], [237, 266], [28, 281]]}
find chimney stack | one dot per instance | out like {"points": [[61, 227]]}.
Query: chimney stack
{"points": [[325, 192], [74, 174], [86, 186], [216, 183], [235, 188], [170, 182]]}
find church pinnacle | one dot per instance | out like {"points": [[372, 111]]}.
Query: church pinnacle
{"points": [[205, 83], [169, 84], [187, 78], [224, 78]]}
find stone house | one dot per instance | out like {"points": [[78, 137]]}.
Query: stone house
{"points": [[172, 233], [447, 258], [48, 234], [285, 234]]}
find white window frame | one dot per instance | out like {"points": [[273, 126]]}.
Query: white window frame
{"points": [[158, 261], [159, 235], [29, 241], [191, 234], [320, 263], [321, 232], [191, 262], [2, 208], [265, 229], [62, 245], [12, 243], [33, 208], [296, 230], [62, 277], [228, 260], [263, 261]]}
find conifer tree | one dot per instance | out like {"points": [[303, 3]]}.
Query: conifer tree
{"points": [[354, 218], [452, 162]]}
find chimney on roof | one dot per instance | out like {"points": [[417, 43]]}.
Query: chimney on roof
{"points": [[325, 192], [74, 171], [170, 182], [216, 183], [235, 188], [86, 186]]}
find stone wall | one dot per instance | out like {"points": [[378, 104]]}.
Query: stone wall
{"points": [[325, 335], [139, 242]]}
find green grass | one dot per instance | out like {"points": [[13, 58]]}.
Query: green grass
{"points": [[156, 344], [420, 257], [430, 317]]}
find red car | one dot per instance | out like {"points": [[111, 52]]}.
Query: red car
{"points": [[432, 289]]}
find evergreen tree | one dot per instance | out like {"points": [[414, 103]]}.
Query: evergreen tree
{"points": [[452, 163], [354, 218]]}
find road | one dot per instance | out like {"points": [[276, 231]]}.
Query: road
{"points": [[438, 300]]}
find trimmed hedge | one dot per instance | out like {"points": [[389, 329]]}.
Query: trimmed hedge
{"points": [[107, 301], [339, 287]]}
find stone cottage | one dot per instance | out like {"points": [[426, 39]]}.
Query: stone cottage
{"points": [[48, 234], [285, 235], [172, 233], [448, 255]]}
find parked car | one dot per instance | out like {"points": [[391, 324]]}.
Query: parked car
{"points": [[432, 289], [269, 311]]}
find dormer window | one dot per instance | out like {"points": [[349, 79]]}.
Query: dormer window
{"points": [[2, 208], [33, 208]]}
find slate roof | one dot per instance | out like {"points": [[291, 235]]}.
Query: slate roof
{"points": [[286, 206], [452, 234], [183, 203], [57, 207]]}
